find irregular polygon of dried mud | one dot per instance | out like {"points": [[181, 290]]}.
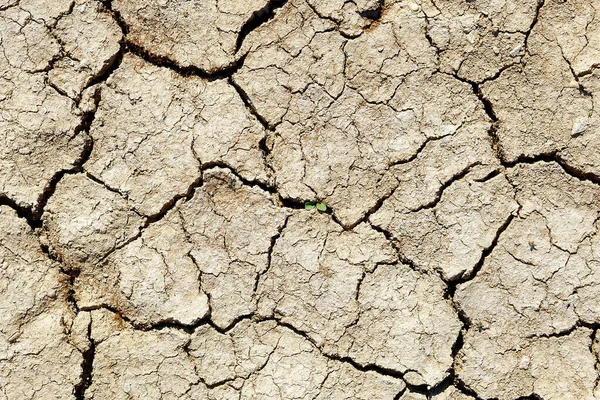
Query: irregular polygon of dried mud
{"points": [[37, 359], [253, 360], [154, 129], [534, 290], [478, 39], [542, 105], [45, 59], [85, 221], [344, 290], [214, 244], [199, 34], [349, 114], [451, 234]]}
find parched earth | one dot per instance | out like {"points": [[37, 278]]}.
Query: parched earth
{"points": [[156, 157]]}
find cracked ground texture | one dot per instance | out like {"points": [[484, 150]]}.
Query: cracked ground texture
{"points": [[156, 157]]}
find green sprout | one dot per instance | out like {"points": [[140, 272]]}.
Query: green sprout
{"points": [[309, 205]]}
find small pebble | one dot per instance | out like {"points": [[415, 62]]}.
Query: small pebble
{"points": [[12, 338], [413, 6], [515, 52], [127, 387], [472, 37], [525, 361], [414, 379], [578, 128]]}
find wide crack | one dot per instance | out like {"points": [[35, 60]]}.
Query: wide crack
{"points": [[258, 18], [87, 365]]}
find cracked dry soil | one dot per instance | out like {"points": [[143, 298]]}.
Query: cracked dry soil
{"points": [[156, 155]]}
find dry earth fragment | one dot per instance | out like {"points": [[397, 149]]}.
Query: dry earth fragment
{"points": [[542, 106], [582, 151], [202, 34], [251, 361], [451, 235], [37, 360], [478, 39], [345, 291], [315, 274], [552, 368], [405, 324], [38, 125], [90, 37], [351, 115], [51, 51], [85, 221], [154, 129], [48, 12], [535, 289], [214, 244]]}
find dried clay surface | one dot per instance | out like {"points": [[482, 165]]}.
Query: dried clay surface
{"points": [[299, 200]]}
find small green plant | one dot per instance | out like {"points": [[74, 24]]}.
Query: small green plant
{"points": [[309, 205]]}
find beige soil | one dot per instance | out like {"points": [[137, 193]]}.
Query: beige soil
{"points": [[156, 157]]}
